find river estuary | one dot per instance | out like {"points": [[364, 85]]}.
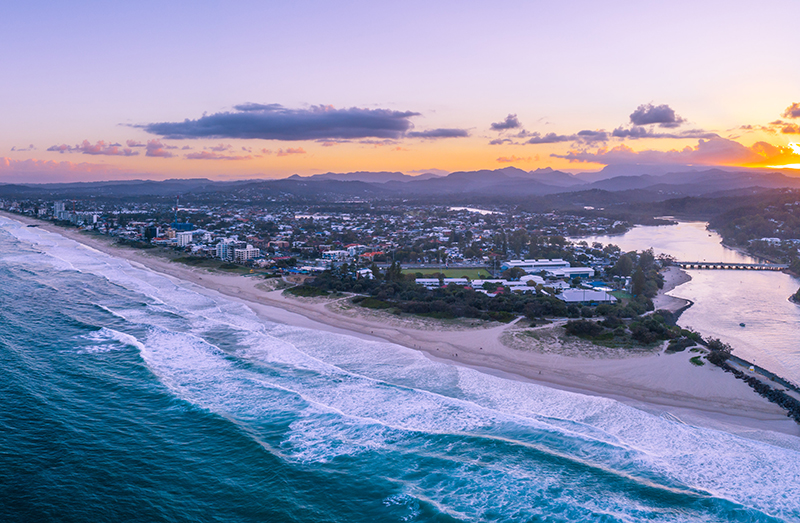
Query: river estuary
{"points": [[725, 298]]}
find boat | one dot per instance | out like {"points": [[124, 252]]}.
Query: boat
{"points": [[741, 325]]}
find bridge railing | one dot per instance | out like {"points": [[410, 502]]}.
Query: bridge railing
{"points": [[730, 265]]}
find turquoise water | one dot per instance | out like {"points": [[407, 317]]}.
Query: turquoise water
{"points": [[127, 396]]}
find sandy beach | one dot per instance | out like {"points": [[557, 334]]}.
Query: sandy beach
{"points": [[652, 380], [673, 277]]}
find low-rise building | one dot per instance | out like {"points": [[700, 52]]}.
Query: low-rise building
{"points": [[585, 296], [539, 265]]}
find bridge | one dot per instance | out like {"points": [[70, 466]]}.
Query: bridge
{"points": [[730, 266]]}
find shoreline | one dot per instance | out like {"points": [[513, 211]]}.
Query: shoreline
{"points": [[673, 277], [650, 380]]}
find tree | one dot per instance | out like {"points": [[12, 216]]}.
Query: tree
{"points": [[394, 272], [519, 241], [638, 282], [623, 267], [646, 259], [376, 272], [719, 351], [514, 273]]}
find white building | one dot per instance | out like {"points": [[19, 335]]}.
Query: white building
{"points": [[537, 280], [435, 283], [536, 265], [585, 296], [225, 249], [183, 238], [246, 254]]}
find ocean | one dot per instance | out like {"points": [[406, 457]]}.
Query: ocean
{"points": [[129, 396]]}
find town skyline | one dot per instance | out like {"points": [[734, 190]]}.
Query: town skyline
{"points": [[269, 91]]}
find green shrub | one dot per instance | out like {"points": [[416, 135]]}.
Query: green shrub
{"points": [[307, 292], [583, 328], [374, 303], [697, 361]]}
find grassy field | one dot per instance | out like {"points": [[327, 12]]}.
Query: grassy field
{"points": [[472, 274]]}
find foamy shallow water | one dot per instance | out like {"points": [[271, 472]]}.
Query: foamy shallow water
{"points": [[331, 422]]}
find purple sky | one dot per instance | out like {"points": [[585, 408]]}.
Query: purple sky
{"points": [[403, 86]]}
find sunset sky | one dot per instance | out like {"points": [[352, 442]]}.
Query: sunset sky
{"points": [[231, 90]]}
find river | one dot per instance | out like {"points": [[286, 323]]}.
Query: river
{"points": [[725, 298]]}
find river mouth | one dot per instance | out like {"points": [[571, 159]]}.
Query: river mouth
{"points": [[725, 299]]}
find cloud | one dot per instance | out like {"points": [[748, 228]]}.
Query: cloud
{"points": [[439, 133], [134, 143], [774, 127], [156, 149], [274, 122], [663, 115], [208, 155], [23, 149], [592, 136], [221, 147], [637, 132], [99, 148], [41, 171], [501, 141], [585, 136], [290, 150], [511, 122], [538, 138], [512, 159], [793, 111], [715, 151]]}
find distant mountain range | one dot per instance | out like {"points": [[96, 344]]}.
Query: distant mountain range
{"points": [[634, 183]]}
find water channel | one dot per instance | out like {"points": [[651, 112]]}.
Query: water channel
{"points": [[725, 298]]}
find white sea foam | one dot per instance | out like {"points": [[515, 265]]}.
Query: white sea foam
{"points": [[348, 396], [108, 340]]}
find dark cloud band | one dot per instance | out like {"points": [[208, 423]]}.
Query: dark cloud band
{"points": [[273, 122], [439, 133]]}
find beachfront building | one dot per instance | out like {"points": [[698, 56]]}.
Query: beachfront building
{"points": [[536, 266], [246, 254], [183, 238], [225, 248]]}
